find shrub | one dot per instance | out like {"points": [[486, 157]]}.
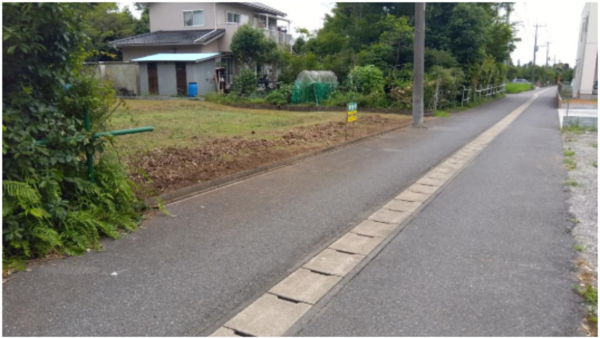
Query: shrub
{"points": [[256, 100], [245, 83], [366, 79], [48, 202], [341, 99], [277, 97]]}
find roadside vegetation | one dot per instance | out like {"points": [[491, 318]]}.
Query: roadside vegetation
{"points": [[578, 129], [513, 88], [579, 148], [49, 204], [372, 58]]}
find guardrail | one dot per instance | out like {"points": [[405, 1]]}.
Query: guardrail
{"points": [[477, 93]]}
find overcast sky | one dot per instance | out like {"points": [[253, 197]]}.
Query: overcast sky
{"points": [[561, 20]]}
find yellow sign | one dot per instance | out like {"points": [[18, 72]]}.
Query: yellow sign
{"points": [[352, 112]]}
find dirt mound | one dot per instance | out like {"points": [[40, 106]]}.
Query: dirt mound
{"points": [[168, 169]]}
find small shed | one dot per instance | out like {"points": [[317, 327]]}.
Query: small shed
{"points": [[169, 74]]}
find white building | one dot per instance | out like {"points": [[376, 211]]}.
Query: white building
{"points": [[585, 82]]}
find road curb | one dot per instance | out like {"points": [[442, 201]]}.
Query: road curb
{"points": [[201, 188]]}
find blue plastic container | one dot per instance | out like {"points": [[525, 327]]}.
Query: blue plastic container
{"points": [[192, 89]]}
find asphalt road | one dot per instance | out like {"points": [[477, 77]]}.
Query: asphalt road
{"points": [[180, 275], [491, 255]]}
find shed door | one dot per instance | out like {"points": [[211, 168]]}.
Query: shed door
{"points": [[181, 78], [152, 78]]}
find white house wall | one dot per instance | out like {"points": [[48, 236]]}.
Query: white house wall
{"points": [[587, 53]]}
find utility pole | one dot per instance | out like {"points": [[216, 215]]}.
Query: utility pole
{"points": [[547, 52], [419, 68], [535, 49]]}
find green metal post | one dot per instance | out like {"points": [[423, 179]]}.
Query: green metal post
{"points": [[89, 155]]}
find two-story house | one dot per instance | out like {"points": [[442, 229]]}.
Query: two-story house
{"points": [[200, 32]]}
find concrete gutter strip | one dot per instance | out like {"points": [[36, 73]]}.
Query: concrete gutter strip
{"points": [[284, 308]]}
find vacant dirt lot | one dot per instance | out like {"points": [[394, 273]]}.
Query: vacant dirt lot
{"points": [[196, 142]]}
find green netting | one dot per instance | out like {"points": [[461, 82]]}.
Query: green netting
{"points": [[313, 86]]}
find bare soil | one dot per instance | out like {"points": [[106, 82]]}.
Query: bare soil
{"points": [[164, 170]]}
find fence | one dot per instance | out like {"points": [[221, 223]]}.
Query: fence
{"points": [[123, 75], [444, 98], [478, 93]]}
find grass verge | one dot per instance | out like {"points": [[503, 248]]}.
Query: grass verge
{"points": [[196, 142], [578, 129], [514, 88]]}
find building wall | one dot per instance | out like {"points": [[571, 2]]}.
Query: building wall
{"points": [[201, 73], [122, 75], [204, 73], [587, 52], [168, 16], [119, 74]]}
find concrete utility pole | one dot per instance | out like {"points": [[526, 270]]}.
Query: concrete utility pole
{"points": [[535, 49], [419, 68], [547, 52]]}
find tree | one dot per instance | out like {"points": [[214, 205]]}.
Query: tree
{"points": [[366, 80], [104, 23], [143, 24], [468, 27], [299, 44], [250, 46]]}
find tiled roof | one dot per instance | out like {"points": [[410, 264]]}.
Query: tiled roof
{"points": [[264, 8], [186, 37]]}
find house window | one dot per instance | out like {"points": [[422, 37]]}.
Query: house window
{"points": [[193, 18], [233, 17]]}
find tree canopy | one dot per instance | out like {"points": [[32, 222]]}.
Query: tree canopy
{"points": [[460, 35]]}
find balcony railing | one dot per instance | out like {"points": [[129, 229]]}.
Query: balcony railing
{"points": [[279, 37]]}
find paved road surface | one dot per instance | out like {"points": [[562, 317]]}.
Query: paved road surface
{"points": [[181, 275], [490, 255]]}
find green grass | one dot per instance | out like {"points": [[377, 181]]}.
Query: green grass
{"points": [[513, 88], [441, 113], [570, 164], [578, 129], [476, 102], [574, 221], [595, 145], [590, 295], [595, 164], [569, 152], [579, 247], [189, 123], [571, 183]]}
